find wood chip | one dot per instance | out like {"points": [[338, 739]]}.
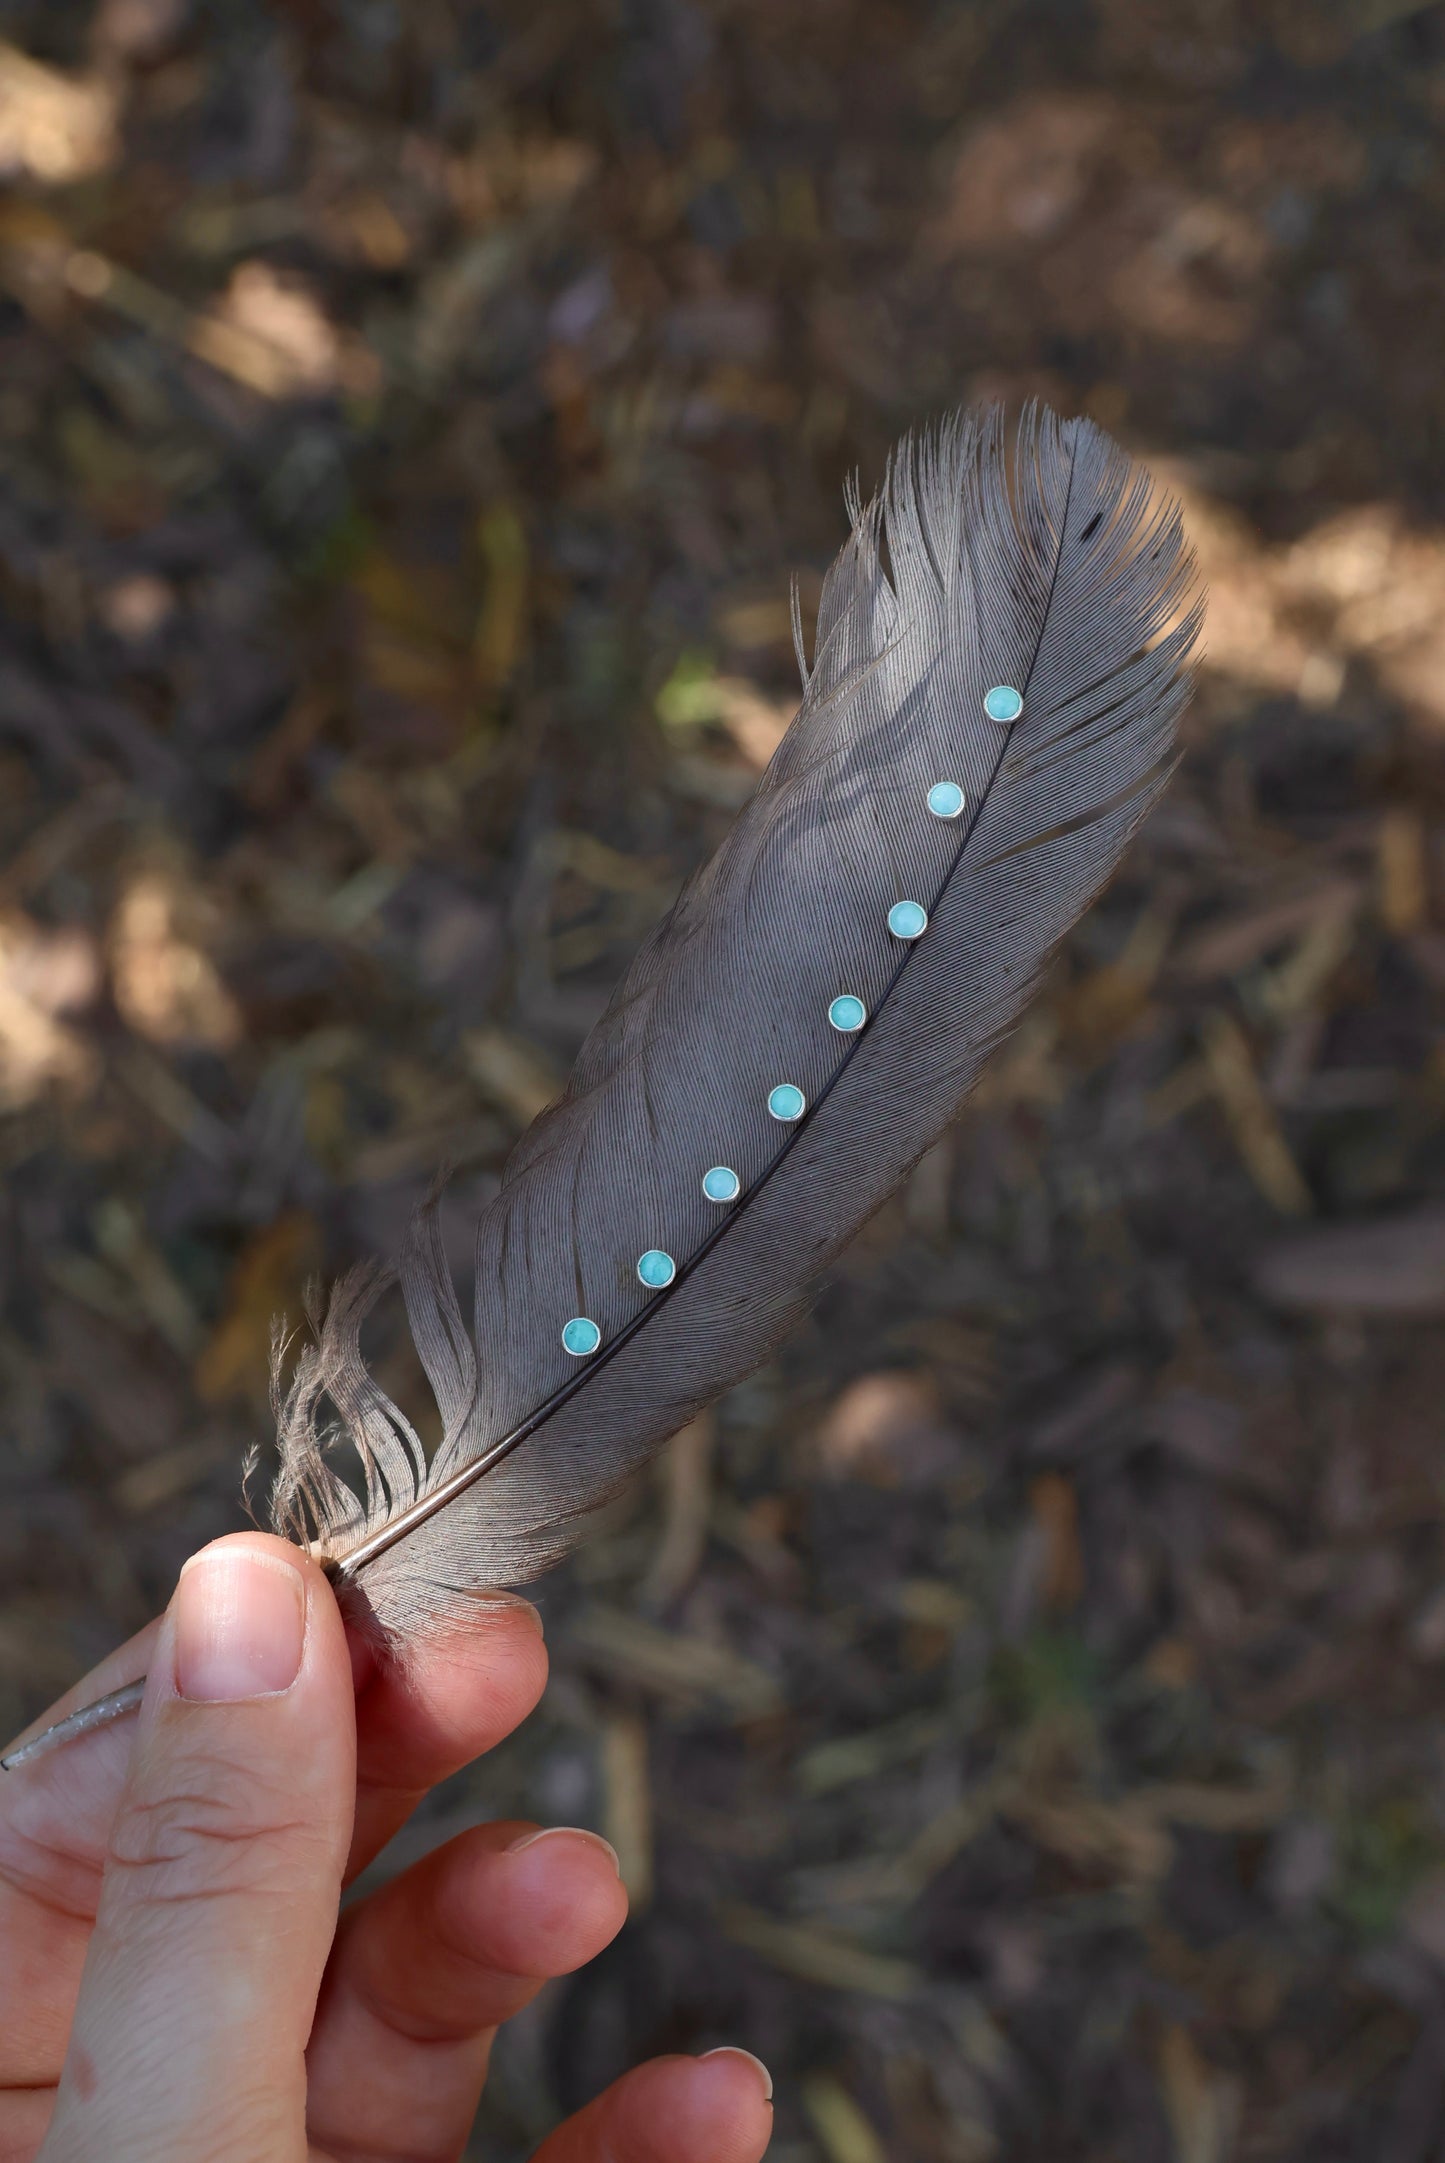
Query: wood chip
{"points": [[1383, 1266], [845, 2133], [627, 1804], [1055, 1505], [1202, 2105], [685, 1471], [1256, 1129], [1237, 944], [1403, 872], [692, 1671], [816, 1956]]}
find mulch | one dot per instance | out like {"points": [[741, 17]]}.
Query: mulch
{"points": [[1017, 1707]]}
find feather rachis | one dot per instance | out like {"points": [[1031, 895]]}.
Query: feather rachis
{"points": [[1048, 564]]}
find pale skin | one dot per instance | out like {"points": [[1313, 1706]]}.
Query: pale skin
{"points": [[173, 1981]]}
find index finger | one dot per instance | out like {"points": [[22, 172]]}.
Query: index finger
{"points": [[457, 1695]]}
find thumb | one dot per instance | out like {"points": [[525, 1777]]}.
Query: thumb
{"points": [[220, 1890]]}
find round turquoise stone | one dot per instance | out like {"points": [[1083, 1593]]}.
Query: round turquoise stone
{"points": [[656, 1269], [721, 1184], [907, 919], [581, 1337], [945, 799], [847, 1014], [1003, 703], [787, 1103]]}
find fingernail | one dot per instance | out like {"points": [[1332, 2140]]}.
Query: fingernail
{"points": [[730, 2050], [569, 1832], [510, 1603], [240, 1623]]}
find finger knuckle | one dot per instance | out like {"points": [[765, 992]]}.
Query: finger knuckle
{"points": [[212, 1832]]}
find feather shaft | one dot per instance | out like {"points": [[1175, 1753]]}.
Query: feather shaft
{"points": [[438, 1498], [1053, 568]]}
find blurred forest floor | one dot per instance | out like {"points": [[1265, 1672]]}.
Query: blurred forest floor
{"points": [[1018, 1708]]}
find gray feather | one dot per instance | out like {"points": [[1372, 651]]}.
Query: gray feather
{"points": [[1042, 559]]}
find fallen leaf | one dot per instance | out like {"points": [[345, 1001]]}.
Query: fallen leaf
{"points": [[887, 1428], [54, 128], [266, 1284], [513, 1072]]}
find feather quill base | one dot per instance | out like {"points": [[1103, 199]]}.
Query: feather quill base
{"points": [[83, 1721]]}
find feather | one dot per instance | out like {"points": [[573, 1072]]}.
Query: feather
{"points": [[1040, 559]]}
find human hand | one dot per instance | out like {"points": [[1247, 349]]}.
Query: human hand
{"points": [[173, 1979]]}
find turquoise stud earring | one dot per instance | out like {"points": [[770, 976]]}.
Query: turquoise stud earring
{"points": [[787, 1102], [581, 1337], [907, 919], [1003, 703]]}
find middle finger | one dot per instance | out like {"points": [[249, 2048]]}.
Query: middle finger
{"points": [[425, 1970]]}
